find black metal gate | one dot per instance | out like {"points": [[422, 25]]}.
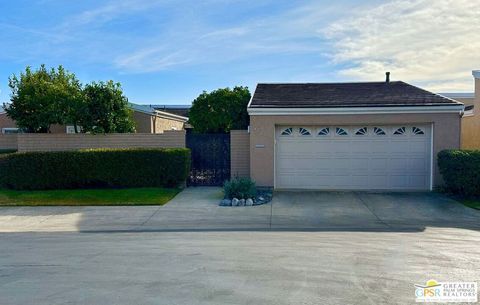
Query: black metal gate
{"points": [[210, 158]]}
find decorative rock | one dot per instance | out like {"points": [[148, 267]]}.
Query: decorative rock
{"points": [[235, 202], [261, 198], [225, 203], [249, 202], [241, 202]]}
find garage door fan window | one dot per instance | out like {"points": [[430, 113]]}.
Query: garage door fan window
{"points": [[362, 131], [324, 131], [399, 131], [341, 132], [287, 131], [417, 131], [379, 131], [304, 131]]}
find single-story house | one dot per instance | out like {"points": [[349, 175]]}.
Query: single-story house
{"points": [[7, 125], [470, 138], [147, 120], [344, 136], [150, 120]]}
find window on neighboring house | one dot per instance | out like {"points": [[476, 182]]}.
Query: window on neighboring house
{"points": [[71, 129], [9, 130]]}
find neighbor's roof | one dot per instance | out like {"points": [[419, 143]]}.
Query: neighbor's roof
{"points": [[454, 95], [152, 111], [329, 95], [182, 110]]}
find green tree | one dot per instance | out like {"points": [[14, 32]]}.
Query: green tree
{"points": [[220, 111], [107, 109], [44, 97]]}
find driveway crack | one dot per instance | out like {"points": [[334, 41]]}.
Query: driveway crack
{"points": [[150, 217], [370, 210]]}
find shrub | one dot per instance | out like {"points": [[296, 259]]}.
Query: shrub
{"points": [[7, 151], [240, 188], [95, 168], [461, 171]]}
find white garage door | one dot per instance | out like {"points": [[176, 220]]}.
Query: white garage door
{"points": [[353, 157]]}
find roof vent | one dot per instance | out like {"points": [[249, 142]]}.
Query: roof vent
{"points": [[387, 77]]}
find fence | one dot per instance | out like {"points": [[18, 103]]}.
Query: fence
{"points": [[210, 158], [63, 142]]}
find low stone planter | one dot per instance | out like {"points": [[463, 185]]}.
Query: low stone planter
{"points": [[262, 198]]}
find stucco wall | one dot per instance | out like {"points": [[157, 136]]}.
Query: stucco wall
{"points": [[8, 141], [146, 123], [446, 134], [162, 124], [143, 122], [60, 142], [471, 124], [240, 153]]}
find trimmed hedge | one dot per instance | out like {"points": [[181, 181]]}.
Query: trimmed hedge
{"points": [[461, 171], [7, 151], [95, 168]]}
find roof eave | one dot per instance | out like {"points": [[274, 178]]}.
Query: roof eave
{"points": [[453, 108]]}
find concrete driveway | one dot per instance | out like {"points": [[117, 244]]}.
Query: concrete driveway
{"points": [[303, 248], [197, 209]]}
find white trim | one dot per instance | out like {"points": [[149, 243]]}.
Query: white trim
{"points": [[476, 73], [454, 95], [468, 113], [168, 115], [357, 110], [251, 97], [431, 157]]}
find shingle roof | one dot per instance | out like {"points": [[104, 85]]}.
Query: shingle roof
{"points": [[182, 110], [327, 95]]}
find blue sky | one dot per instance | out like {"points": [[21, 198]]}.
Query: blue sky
{"points": [[167, 52]]}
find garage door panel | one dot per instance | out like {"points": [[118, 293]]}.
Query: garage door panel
{"points": [[369, 161], [359, 164]]}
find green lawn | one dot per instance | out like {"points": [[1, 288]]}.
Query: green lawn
{"points": [[472, 203], [131, 196]]}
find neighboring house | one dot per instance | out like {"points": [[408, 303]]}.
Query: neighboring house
{"points": [[147, 120], [339, 136], [181, 110], [7, 125], [471, 118]]}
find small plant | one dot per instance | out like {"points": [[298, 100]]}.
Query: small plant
{"points": [[240, 188]]}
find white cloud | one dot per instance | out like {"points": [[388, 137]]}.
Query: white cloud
{"points": [[432, 43]]}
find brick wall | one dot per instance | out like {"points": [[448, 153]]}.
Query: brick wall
{"points": [[240, 153], [62, 142], [8, 141]]}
